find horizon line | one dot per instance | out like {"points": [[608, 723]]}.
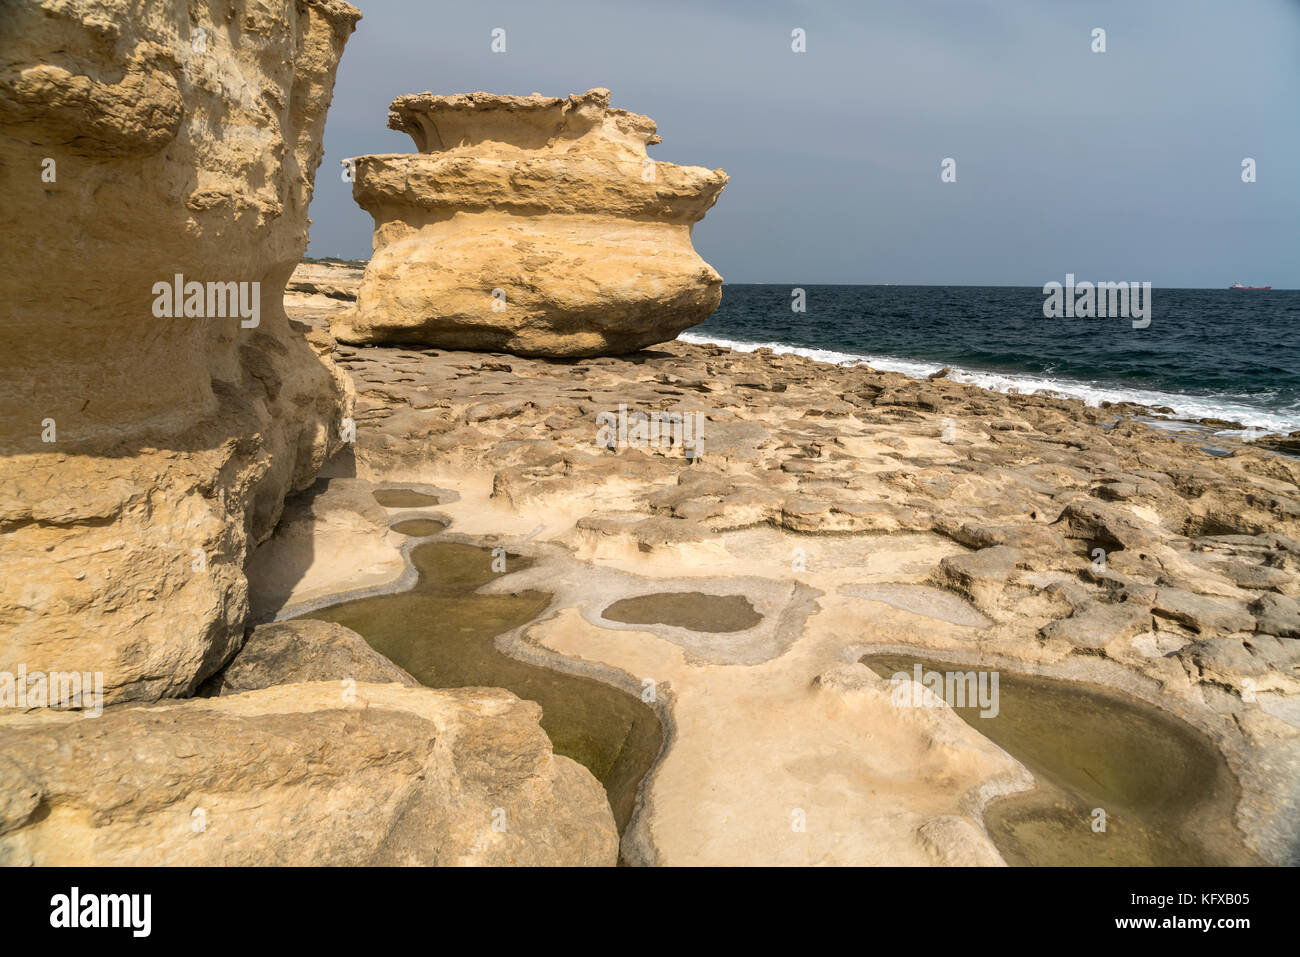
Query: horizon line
{"points": [[965, 285]]}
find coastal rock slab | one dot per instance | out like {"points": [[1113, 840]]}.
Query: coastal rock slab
{"points": [[862, 506], [1201, 614], [532, 225], [334, 281], [1099, 624], [338, 517], [290, 652], [1277, 615], [300, 774]]}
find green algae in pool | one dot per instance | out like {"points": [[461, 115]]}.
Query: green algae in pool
{"points": [[443, 633], [1166, 790], [418, 527], [693, 610], [404, 498]]}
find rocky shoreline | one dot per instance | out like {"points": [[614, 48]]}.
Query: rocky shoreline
{"points": [[841, 484], [148, 447], [720, 536]]}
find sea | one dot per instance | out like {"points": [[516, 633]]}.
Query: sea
{"points": [[1206, 353]]}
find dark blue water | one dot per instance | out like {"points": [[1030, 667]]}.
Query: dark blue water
{"points": [[1219, 353]]}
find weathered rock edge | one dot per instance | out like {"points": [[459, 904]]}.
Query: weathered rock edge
{"points": [[301, 774], [144, 455], [533, 225], [1195, 599]]}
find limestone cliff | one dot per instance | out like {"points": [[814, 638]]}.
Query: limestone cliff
{"points": [[534, 225], [149, 437]]}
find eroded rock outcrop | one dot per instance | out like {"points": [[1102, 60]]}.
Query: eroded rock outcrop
{"points": [[300, 774], [533, 225], [292, 652], [156, 405], [1100, 549]]}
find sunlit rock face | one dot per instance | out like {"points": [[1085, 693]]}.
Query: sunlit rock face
{"points": [[297, 775], [532, 225], [156, 405]]}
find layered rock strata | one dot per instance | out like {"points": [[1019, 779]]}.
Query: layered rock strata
{"points": [[532, 225], [316, 773], [156, 407], [156, 404], [298, 651]]}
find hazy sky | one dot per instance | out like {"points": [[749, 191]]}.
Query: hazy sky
{"points": [[1117, 166]]}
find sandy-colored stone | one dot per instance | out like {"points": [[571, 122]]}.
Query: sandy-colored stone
{"points": [[337, 518], [533, 225], [1101, 623], [1277, 615], [954, 841], [868, 512], [142, 455], [321, 773], [334, 281], [292, 652]]}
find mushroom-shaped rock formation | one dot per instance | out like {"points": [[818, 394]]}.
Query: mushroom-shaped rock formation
{"points": [[530, 224]]}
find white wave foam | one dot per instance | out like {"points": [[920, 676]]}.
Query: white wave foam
{"points": [[1191, 407]]}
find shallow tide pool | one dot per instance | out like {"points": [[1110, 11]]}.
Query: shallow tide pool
{"points": [[1167, 793], [442, 632], [692, 610]]}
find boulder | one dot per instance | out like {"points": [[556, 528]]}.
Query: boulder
{"points": [[289, 652], [533, 225]]}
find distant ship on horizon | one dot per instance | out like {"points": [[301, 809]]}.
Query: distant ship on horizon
{"points": [[1237, 285]]}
